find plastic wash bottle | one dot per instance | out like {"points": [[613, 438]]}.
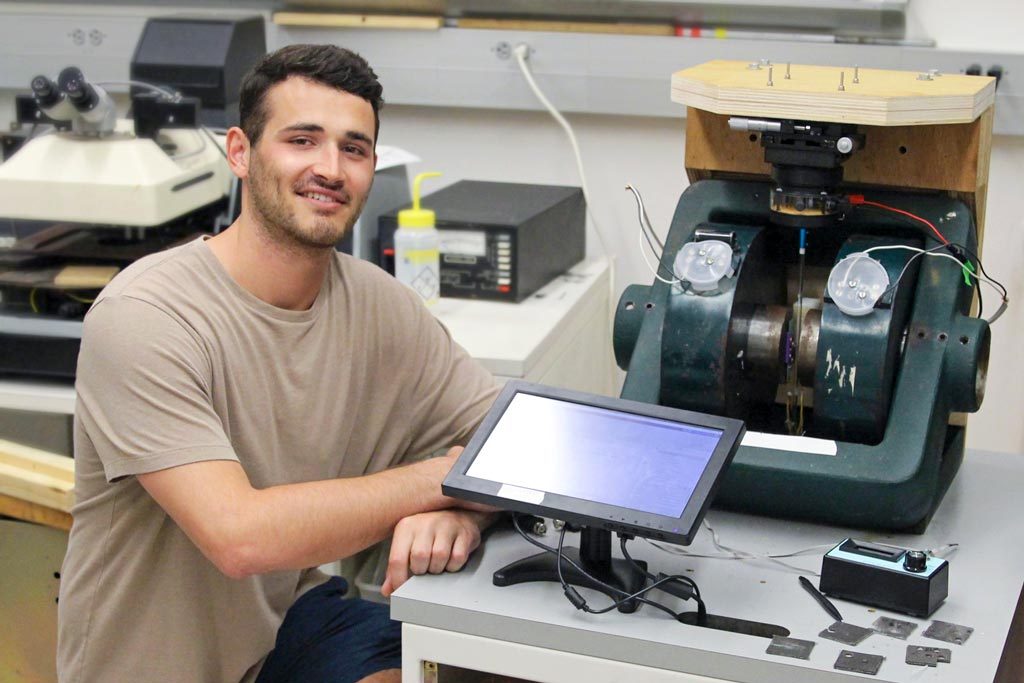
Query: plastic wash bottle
{"points": [[417, 254]]}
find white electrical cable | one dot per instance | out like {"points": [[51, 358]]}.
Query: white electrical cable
{"points": [[167, 93], [652, 268], [727, 553], [647, 234], [521, 51], [927, 252]]}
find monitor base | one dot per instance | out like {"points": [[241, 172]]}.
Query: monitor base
{"points": [[594, 556]]}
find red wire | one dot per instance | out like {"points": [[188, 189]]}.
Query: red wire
{"points": [[858, 199]]}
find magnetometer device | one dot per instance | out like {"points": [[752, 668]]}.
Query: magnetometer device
{"points": [[817, 282], [907, 581]]}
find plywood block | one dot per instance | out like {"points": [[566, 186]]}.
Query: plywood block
{"points": [[880, 97], [378, 21], [37, 476]]}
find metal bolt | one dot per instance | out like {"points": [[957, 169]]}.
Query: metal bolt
{"points": [[844, 145], [856, 73], [770, 84], [851, 283], [710, 261], [787, 70], [842, 77], [862, 294], [539, 528]]}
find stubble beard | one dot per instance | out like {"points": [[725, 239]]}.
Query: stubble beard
{"points": [[278, 219]]}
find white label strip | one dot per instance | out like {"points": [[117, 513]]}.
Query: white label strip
{"points": [[782, 442], [470, 243], [519, 493]]}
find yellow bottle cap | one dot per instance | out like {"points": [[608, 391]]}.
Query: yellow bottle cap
{"points": [[417, 217]]}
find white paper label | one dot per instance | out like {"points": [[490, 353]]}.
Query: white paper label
{"points": [[783, 442], [463, 242], [521, 494]]}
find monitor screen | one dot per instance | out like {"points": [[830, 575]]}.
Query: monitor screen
{"points": [[634, 467]]}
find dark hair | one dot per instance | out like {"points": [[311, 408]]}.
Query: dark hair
{"points": [[330, 65]]}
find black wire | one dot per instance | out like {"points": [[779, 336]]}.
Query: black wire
{"points": [[981, 303], [977, 282], [214, 141], [906, 267], [678, 577], [584, 572], [932, 236], [981, 268], [656, 253], [702, 611]]}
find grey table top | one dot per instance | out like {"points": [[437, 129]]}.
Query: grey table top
{"points": [[986, 575]]}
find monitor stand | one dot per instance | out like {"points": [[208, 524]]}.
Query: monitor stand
{"points": [[595, 556]]}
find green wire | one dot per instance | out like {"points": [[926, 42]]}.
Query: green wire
{"points": [[968, 270]]}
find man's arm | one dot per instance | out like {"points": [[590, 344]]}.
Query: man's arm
{"points": [[246, 531]]}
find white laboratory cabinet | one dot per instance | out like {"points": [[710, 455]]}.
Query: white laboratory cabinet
{"points": [[561, 335]]}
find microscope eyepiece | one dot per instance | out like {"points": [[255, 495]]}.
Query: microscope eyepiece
{"points": [[73, 83], [45, 91]]}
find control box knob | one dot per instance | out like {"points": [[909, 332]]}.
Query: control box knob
{"points": [[915, 561]]}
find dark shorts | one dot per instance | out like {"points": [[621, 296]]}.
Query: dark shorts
{"points": [[325, 637]]}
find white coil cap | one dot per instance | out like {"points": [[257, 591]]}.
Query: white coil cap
{"points": [[857, 283], [704, 264]]}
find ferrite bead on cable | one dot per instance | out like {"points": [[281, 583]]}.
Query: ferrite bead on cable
{"points": [[575, 598]]}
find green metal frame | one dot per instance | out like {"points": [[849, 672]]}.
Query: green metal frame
{"points": [[894, 484]]}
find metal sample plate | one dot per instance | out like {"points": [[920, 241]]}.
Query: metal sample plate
{"points": [[859, 662], [847, 634], [897, 628], [919, 655], [790, 647], [950, 633]]}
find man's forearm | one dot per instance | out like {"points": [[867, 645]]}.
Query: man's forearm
{"points": [[246, 531], [301, 525]]}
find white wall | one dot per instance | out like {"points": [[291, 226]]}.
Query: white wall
{"points": [[987, 25]]}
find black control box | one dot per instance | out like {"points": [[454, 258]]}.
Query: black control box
{"points": [[907, 581], [499, 241]]}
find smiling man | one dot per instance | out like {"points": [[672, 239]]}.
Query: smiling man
{"points": [[245, 404]]}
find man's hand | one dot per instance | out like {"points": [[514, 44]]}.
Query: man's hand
{"points": [[432, 542]]}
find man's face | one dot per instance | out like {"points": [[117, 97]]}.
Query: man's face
{"points": [[312, 168]]}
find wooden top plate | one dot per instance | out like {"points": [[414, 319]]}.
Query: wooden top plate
{"points": [[880, 97]]}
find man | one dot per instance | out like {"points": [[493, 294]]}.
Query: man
{"points": [[242, 401]]}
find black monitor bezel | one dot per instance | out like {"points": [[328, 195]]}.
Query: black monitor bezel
{"points": [[681, 530]]}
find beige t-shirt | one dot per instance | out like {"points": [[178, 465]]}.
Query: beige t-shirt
{"points": [[180, 364]]}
